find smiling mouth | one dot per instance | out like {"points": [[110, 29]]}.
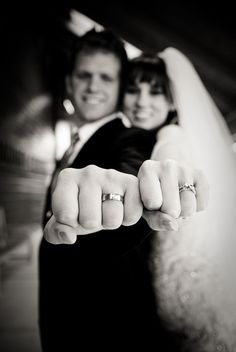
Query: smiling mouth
{"points": [[93, 100], [142, 114]]}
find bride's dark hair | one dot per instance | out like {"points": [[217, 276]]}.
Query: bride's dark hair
{"points": [[149, 68]]}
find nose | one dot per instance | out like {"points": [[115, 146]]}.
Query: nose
{"points": [[142, 99], [93, 84]]}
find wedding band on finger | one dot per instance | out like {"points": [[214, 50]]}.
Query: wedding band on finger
{"points": [[187, 187], [112, 196]]}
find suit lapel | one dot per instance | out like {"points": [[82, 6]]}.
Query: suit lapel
{"points": [[97, 149]]}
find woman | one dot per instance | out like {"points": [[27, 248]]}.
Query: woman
{"points": [[194, 287], [148, 103]]}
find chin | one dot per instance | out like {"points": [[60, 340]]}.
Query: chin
{"points": [[91, 118], [139, 125]]}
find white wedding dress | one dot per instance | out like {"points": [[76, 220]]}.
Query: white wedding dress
{"points": [[194, 268]]}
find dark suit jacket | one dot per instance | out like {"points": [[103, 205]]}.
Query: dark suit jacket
{"points": [[100, 288]]}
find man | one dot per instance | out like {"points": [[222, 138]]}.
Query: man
{"points": [[88, 283], [97, 292]]}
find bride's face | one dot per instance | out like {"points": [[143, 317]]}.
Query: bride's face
{"points": [[145, 105]]}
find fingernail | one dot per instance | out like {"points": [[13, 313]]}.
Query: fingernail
{"points": [[67, 238], [174, 226], [63, 236], [171, 225]]}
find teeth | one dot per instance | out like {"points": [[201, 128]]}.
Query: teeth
{"points": [[93, 101], [143, 111], [142, 115]]}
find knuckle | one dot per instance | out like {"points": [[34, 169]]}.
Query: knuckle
{"points": [[131, 180], [112, 175], [65, 174], [186, 173], [119, 178], [147, 165], [169, 166], [90, 170]]}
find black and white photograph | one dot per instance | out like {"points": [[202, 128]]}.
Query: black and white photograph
{"points": [[117, 176]]}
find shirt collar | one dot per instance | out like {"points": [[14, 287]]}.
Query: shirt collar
{"points": [[87, 130]]}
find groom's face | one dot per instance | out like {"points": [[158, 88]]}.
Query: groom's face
{"points": [[94, 84]]}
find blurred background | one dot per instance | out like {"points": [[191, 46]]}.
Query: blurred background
{"points": [[34, 117]]}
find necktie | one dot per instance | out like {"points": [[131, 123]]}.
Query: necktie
{"points": [[64, 162]]}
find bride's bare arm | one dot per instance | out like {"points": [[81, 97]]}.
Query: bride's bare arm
{"points": [[173, 143]]}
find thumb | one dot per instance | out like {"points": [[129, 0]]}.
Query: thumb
{"points": [[57, 233], [160, 221]]}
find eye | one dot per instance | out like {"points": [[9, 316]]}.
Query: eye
{"points": [[82, 75], [157, 90], [107, 78], [132, 90]]}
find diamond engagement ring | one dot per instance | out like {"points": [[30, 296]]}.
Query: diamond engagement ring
{"points": [[112, 196], [187, 187]]}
